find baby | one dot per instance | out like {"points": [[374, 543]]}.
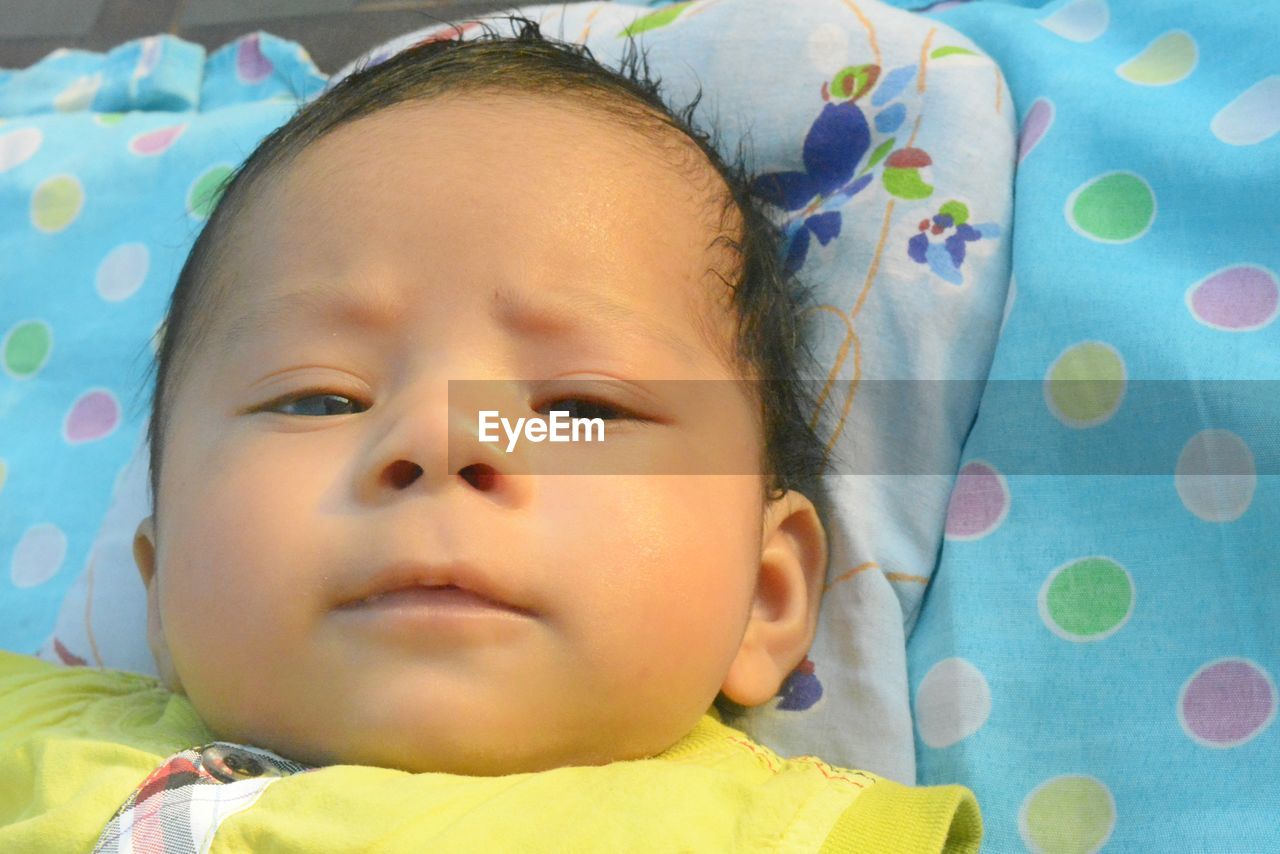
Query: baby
{"points": [[342, 571]]}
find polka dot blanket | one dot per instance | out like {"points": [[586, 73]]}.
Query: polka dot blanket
{"points": [[1097, 655], [109, 165], [885, 145]]}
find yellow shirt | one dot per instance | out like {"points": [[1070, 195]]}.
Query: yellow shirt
{"points": [[76, 742]]}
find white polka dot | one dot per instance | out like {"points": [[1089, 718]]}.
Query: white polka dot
{"points": [[1215, 477], [123, 271], [38, 556], [1079, 21], [18, 146], [1252, 117], [952, 702], [79, 95]]}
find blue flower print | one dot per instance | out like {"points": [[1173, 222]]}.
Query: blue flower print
{"points": [[801, 689], [950, 225], [835, 144]]}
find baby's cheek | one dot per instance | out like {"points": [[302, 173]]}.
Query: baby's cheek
{"points": [[203, 624], [227, 645], [216, 580], [663, 551]]}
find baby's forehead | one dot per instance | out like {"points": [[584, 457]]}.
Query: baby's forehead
{"points": [[567, 130], [458, 171]]}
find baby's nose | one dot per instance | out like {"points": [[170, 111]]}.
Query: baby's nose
{"points": [[485, 467], [480, 475], [433, 445]]}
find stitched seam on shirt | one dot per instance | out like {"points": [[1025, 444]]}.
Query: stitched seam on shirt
{"points": [[751, 748], [815, 762]]}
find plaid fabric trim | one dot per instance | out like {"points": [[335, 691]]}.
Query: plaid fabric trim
{"points": [[180, 805]]}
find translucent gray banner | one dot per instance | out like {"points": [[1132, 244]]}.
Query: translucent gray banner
{"points": [[599, 425]]}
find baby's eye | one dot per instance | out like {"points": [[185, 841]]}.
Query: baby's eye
{"points": [[328, 405], [581, 407]]}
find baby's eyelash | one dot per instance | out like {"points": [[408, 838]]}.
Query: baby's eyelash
{"points": [[592, 403], [276, 404]]}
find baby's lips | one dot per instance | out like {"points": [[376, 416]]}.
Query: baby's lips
{"points": [[405, 574]]}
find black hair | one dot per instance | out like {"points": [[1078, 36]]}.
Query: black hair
{"points": [[772, 340]]}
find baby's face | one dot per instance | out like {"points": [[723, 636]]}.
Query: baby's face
{"points": [[276, 506]]}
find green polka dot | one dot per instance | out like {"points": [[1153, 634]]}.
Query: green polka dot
{"points": [[1113, 208], [1087, 599], [1085, 384], [4, 473], [1068, 815], [26, 348], [1164, 62], [109, 119], [56, 203], [205, 192]]}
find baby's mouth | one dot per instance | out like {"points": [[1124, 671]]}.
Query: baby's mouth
{"points": [[433, 618], [446, 595], [453, 586]]}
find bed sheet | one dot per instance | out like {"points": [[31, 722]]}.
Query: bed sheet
{"points": [[1098, 653], [109, 164]]}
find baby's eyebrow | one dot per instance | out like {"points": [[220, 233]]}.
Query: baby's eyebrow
{"points": [[570, 313], [334, 304]]}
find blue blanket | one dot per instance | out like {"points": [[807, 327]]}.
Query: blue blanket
{"points": [[153, 116], [1098, 653]]}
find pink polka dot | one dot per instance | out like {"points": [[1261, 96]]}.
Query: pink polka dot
{"points": [[979, 502], [251, 65], [1235, 299], [92, 417], [1036, 124], [1227, 702], [155, 142]]}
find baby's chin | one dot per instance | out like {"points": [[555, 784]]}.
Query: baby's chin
{"points": [[456, 724]]}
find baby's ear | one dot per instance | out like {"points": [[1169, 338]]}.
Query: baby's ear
{"points": [[784, 612], [144, 549], [144, 555]]}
